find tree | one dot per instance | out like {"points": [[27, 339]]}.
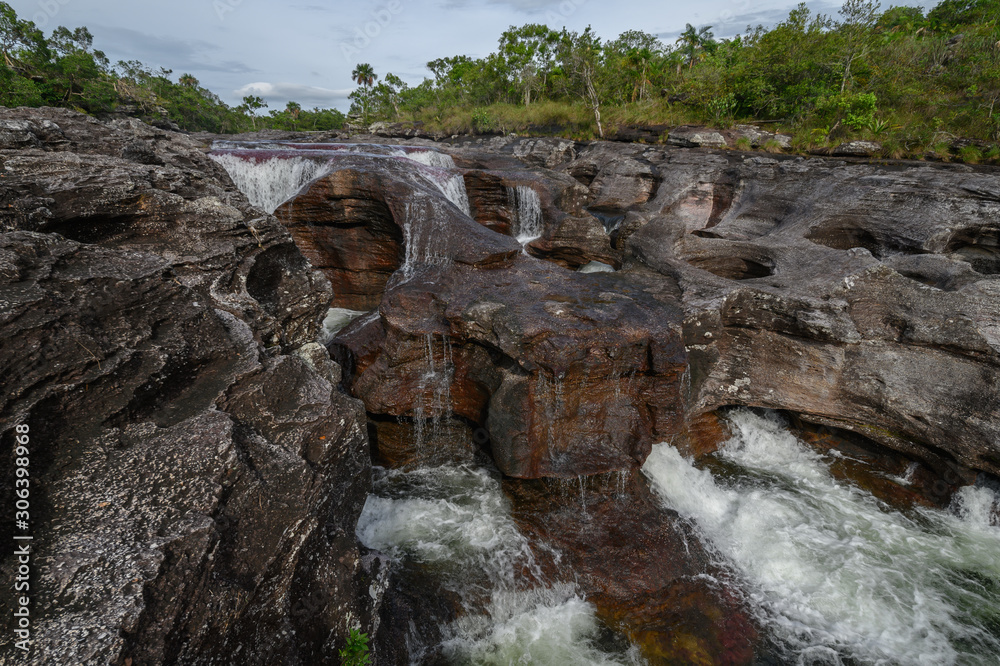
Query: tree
{"points": [[636, 54], [364, 76], [580, 56], [527, 54], [188, 81], [693, 42], [857, 34], [252, 104], [293, 109]]}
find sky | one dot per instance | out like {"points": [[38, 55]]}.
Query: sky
{"points": [[305, 50]]}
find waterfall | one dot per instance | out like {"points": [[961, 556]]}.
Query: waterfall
{"points": [[435, 384], [454, 189], [269, 183], [835, 575], [424, 240], [527, 208]]}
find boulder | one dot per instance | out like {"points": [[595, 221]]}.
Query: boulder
{"points": [[696, 137], [858, 149]]}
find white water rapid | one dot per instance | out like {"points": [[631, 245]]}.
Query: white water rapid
{"points": [[836, 576], [456, 521]]}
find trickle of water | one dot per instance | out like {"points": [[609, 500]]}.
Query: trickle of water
{"points": [[269, 183], [435, 380], [834, 574], [527, 208]]}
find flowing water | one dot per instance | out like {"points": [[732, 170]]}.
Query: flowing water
{"points": [[527, 208], [833, 575], [270, 173], [456, 521], [335, 321], [836, 576]]}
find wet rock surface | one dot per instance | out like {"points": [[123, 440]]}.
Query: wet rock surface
{"points": [[642, 567], [858, 296], [160, 337], [196, 473]]}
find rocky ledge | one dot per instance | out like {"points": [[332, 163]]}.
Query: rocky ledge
{"points": [[196, 473], [856, 296]]}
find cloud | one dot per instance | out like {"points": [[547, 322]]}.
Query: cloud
{"points": [[526, 6], [178, 54], [307, 96]]}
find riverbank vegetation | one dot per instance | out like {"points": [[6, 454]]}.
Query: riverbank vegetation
{"points": [[917, 83], [914, 82]]}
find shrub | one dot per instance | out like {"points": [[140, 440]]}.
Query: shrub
{"points": [[355, 653]]}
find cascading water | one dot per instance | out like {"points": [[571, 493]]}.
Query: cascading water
{"points": [[270, 173], [433, 398], [836, 576], [270, 182], [527, 208], [456, 522]]}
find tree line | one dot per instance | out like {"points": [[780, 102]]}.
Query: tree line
{"points": [[64, 69], [915, 81], [911, 80]]}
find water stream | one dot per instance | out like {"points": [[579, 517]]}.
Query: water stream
{"points": [[527, 209], [455, 521], [836, 576]]}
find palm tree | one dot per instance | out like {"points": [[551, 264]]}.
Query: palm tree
{"points": [[188, 81], [693, 41], [365, 76]]}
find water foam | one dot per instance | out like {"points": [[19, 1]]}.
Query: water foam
{"points": [[269, 183], [457, 521], [835, 574], [335, 321]]}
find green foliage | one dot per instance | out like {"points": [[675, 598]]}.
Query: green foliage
{"points": [[65, 70], [355, 653], [907, 78]]}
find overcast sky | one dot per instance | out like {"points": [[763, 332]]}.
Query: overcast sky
{"points": [[304, 50]]}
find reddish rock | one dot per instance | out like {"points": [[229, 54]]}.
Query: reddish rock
{"points": [[371, 215], [570, 373], [642, 567]]}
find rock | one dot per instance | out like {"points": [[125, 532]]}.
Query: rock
{"points": [[362, 222], [803, 259], [695, 137], [858, 149], [548, 153], [759, 138], [642, 567], [640, 133], [196, 474], [808, 286], [529, 353]]}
